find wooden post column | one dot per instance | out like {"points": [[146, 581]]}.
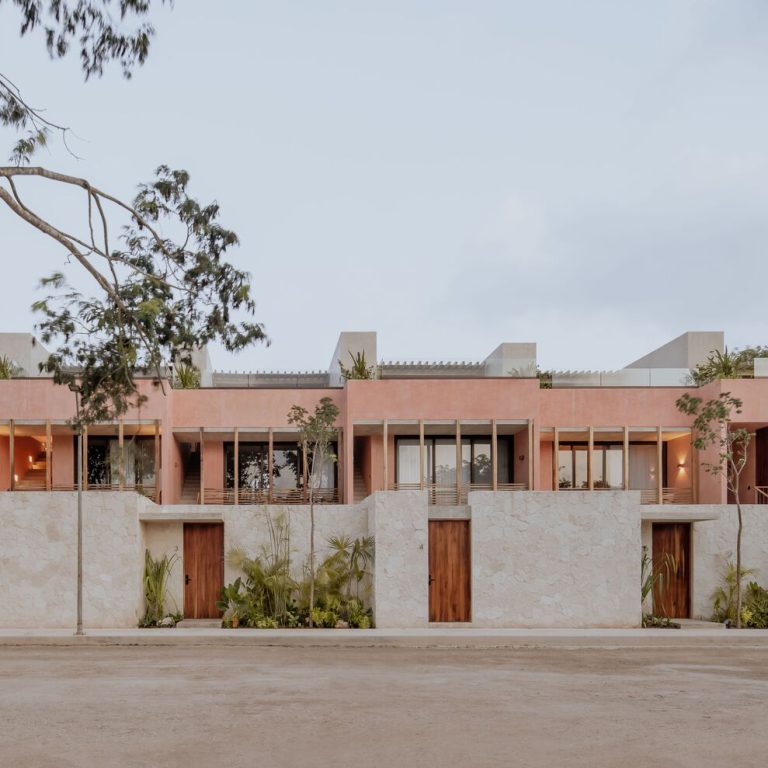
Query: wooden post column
{"points": [[385, 442], [48, 438], [121, 455], [305, 470], [556, 459], [421, 454], [590, 458], [236, 468], [659, 466], [458, 462], [202, 468], [494, 456], [158, 462], [12, 453], [625, 468], [530, 455], [270, 465]]}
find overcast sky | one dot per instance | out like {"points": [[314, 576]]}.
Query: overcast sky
{"points": [[592, 176]]}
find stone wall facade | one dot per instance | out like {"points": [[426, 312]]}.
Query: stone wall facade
{"points": [[399, 522], [554, 559], [38, 560], [538, 559]]}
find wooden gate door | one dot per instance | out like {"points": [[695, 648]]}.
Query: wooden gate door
{"points": [[203, 569], [761, 465], [449, 571], [672, 598]]}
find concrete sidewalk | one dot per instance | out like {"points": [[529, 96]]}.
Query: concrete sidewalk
{"points": [[433, 637]]}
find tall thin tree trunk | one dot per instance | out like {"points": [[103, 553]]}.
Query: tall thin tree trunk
{"points": [[311, 553], [738, 564]]}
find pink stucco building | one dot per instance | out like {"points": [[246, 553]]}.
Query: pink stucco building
{"points": [[487, 486], [408, 429]]}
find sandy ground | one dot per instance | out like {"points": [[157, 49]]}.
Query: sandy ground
{"points": [[260, 706]]}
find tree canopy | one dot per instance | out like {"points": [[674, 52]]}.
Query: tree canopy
{"points": [[158, 296]]}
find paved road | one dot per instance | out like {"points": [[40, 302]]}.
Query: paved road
{"points": [[261, 706]]}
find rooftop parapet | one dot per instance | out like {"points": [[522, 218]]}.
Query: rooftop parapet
{"points": [[686, 351], [627, 377], [25, 351]]}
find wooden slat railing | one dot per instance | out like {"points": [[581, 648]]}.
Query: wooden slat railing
{"points": [[668, 496], [276, 496], [761, 494], [145, 490], [450, 495]]}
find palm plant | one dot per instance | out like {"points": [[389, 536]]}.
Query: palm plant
{"points": [[359, 369], [186, 376], [8, 369], [655, 576], [155, 580], [725, 599], [727, 365]]}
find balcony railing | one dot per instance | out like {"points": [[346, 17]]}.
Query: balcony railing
{"points": [[150, 491], [668, 496], [450, 495], [275, 496]]}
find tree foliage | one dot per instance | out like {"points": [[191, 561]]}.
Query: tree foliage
{"points": [[712, 427], [317, 431], [737, 364], [158, 295]]}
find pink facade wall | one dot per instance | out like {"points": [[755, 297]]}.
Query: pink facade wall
{"points": [[213, 464], [464, 399], [63, 460], [546, 453], [520, 468]]}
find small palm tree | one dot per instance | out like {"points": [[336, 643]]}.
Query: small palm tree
{"points": [[726, 365], [8, 369], [186, 376]]}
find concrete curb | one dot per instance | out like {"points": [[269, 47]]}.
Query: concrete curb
{"points": [[439, 639]]}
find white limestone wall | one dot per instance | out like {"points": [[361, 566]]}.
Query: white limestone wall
{"points": [[246, 527], [398, 520], [714, 544], [552, 559], [38, 560]]}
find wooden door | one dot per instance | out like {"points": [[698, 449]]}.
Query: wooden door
{"points": [[449, 570], [672, 597], [203, 569], [761, 464]]}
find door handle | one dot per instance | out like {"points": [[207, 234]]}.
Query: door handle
{"points": [[186, 579], [431, 579]]}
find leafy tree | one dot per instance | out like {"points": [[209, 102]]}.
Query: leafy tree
{"points": [[157, 296], [713, 427], [316, 435]]}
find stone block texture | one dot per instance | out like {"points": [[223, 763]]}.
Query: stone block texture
{"points": [[554, 559]]}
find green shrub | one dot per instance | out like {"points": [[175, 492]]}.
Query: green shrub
{"points": [[754, 611], [724, 597], [155, 581]]}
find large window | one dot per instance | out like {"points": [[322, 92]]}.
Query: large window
{"points": [[287, 467], [104, 461], [607, 466], [440, 461]]}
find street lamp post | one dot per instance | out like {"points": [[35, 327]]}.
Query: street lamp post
{"points": [[79, 630]]}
